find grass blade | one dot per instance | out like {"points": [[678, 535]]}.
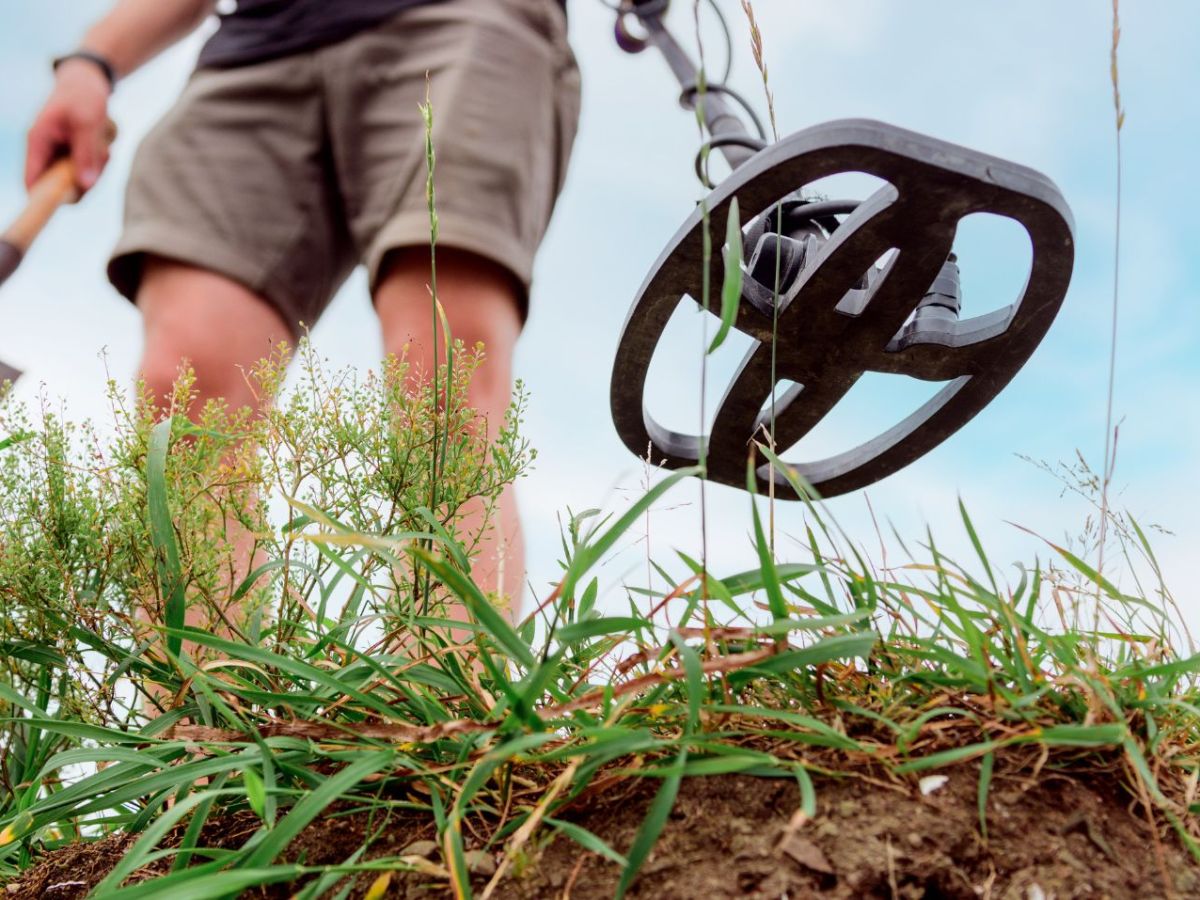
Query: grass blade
{"points": [[986, 767], [587, 840], [493, 622], [652, 825], [591, 552], [770, 577], [731, 287], [162, 532], [264, 850]]}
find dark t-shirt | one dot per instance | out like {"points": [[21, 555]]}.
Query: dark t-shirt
{"points": [[259, 30]]}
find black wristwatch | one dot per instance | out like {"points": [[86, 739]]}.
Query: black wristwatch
{"points": [[107, 68]]}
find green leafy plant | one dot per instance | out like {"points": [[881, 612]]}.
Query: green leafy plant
{"points": [[108, 553]]}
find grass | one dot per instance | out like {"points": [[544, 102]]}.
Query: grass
{"points": [[784, 670]]}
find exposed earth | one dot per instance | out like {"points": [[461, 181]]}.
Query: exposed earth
{"points": [[1052, 833]]}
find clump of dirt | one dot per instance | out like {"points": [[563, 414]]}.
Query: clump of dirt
{"points": [[71, 871], [1061, 834], [737, 836]]}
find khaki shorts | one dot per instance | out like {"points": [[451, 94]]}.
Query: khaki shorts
{"points": [[283, 175]]}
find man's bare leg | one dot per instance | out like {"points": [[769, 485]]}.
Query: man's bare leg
{"points": [[481, 301], [221, 329]]}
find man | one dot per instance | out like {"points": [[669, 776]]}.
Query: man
{"points": [[296, 151]]}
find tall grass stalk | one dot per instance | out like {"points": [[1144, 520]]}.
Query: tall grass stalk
{"points": [[426, 110], [705, 291], [1110, 431], [756, 50], [440, 325]]}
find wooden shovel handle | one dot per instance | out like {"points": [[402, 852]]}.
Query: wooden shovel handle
{"points": [[56, 187]]}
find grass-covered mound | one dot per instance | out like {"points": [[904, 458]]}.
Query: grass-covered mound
{"points": [[328, 725]]}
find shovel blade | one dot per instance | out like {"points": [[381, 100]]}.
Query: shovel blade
{"points": [[8, 373], [10, 258]]}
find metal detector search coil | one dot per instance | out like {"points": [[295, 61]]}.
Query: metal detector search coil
{"points": [[838, 316]]}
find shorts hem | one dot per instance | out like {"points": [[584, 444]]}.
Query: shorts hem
{"points": [[459, 232], [168, 241]]}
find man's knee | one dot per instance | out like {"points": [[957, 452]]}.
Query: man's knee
{"points": [[481, 300], [215, 375], [200, 320], [159, 371]]}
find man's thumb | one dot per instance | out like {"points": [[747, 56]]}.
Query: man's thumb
{"points": [[89, 152]]}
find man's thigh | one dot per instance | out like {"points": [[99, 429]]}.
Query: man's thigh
{"points": [[504, 90], [480, 300], [235, 180]]}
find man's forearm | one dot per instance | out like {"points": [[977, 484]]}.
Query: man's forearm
{"points": [[134, 31]]}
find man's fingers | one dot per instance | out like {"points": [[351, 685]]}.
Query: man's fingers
{"points": [[89, 152], [43, 146], [52, 137]]}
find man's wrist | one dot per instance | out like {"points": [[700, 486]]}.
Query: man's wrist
{"points": [[99, 61]]}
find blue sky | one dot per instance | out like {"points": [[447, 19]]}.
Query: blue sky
{"points": [[1026, 80]]}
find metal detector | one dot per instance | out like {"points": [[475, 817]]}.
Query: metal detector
{"points": [[811, 282]]}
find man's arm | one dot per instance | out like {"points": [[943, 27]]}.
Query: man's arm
{"points": [[75, 116]]}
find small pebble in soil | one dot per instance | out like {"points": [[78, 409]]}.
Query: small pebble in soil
{"points": [[480, 862], [425, 849], [807, 854], [826, 828]]}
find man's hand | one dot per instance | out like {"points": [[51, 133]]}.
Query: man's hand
{"points": [[73, 122]]}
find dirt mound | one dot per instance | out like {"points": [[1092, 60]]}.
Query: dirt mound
{"points": [[1057, 834], [736, 836]]}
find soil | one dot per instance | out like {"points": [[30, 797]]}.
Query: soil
{"points": [[1053, 834]]}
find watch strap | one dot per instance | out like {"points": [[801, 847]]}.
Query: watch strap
{"points": [[106, 67]]}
